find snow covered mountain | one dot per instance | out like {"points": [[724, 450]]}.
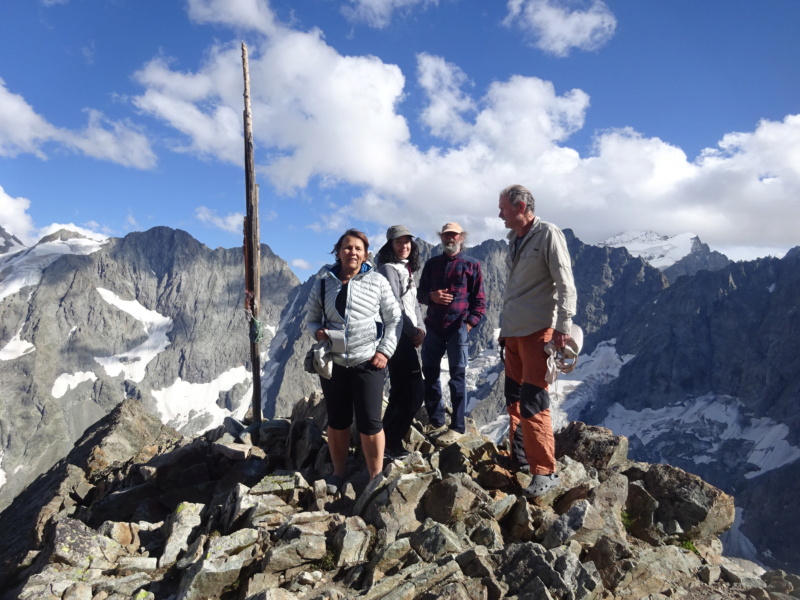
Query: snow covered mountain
{"points": [[682, 254]]}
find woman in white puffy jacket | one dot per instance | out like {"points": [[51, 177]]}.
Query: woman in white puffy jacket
{"points": [[361, 317], [398, 260]]}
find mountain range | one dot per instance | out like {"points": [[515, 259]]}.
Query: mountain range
{"points": [[692, 366]]}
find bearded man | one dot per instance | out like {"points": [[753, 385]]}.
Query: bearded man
{"points": [[451, 286]]}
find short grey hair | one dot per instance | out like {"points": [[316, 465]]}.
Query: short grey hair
{"points": [[519, 195]]}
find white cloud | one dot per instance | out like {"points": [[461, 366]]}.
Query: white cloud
{"points": [[378, 13], [54, 227], [232, 222], [301, 263], [556, 27], [23, 131], [334, 119], [442, 82], [239, 14], [14, 216]]}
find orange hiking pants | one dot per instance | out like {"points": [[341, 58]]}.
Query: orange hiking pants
{"points": [[527, 399]]}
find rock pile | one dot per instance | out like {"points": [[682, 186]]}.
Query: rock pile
{"points": [[144, 513]]}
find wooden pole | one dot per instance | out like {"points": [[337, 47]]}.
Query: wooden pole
{"points": [[252, 244]]}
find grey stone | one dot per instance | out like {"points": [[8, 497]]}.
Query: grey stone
{"points": [[181, 525], [351, 542]]}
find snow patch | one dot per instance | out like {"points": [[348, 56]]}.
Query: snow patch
{"points": [[660, 251], [15, 348], [134, 362], [68, 381], [25, 268], [182, 401], [724, 415]]}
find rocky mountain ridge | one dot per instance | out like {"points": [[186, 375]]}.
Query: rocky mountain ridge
{"points": [[682, 254], [159, 317], [137, 510]]}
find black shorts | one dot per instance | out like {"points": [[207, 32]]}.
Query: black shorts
{"points": [[358, 388]]}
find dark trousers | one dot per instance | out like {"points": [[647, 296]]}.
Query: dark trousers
{"points": [[406, 392], [358, 389], [434, 347]]}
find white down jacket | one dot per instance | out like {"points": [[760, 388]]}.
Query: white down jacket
{"points": [[372, 320]]}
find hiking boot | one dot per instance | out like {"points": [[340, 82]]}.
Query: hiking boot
{"points": [[450, 437], [334, 484], [541, 484], [396, 453]]}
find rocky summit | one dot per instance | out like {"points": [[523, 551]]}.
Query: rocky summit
{"points": [[137, 510]]}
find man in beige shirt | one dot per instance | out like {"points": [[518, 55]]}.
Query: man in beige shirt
{"points": [[538, 306]]}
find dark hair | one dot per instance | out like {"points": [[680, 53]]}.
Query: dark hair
{"points": [[386, 255], [519, 195], [355, 233]]}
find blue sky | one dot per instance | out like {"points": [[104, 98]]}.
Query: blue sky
{"points": [[673, 116]]}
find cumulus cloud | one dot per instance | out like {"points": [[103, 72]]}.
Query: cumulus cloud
{"points": [[232, 222], [240, 14], [378, 13], [14, 217], [333, 120], [23, 131], [558, 26], [54, 227], [446, 102], [301, 263]]}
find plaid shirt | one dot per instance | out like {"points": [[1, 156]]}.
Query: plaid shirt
{"points": [[461, 276]]}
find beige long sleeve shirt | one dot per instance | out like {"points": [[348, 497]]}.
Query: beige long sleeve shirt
{"points": [[540, 290]]}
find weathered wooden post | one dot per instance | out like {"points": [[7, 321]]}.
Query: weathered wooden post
{"points": [[252, 244]]}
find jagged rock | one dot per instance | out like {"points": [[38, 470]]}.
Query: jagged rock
{"points": [[351, 542], [291, 487], [592, 446], [75, 544], [452, 498], [582, 523], [391, 557], [219, 566], [657, 569], [410, 534], [700, 509], [295, 553], [125, 534], [611, 559], [434, 540], [181, 525]]}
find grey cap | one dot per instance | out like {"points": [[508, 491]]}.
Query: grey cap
{"points": [[396, 231]]}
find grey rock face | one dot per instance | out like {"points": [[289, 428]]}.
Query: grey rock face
{"points": [[700, 258], [71, 320], [723, 335]]}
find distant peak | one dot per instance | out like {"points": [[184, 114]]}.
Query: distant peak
{"points": [[660, 251], [62, 235], [9, 242], [635, 235]]}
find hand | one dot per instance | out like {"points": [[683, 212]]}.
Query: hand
{"points": [[321, 334], [379, 360], [441, 297], [560, 339], [417, 338], [469, 327]]}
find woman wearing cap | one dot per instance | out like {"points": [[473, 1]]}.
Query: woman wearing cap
{"points": [[398, 260], [354, 307]]}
